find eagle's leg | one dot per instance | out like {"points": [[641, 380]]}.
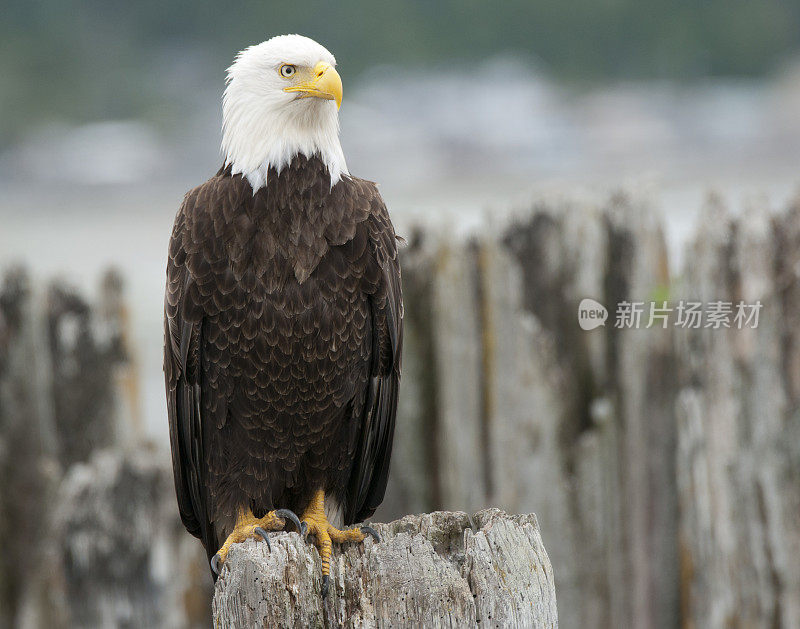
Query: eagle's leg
{"points": [[248, 525], [316, 523]]}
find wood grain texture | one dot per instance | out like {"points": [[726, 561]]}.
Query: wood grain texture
{"points": [[528, 412], [442, 569], [739, 424]]}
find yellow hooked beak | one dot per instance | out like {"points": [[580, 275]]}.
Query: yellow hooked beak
{"points": [[325, 83]]}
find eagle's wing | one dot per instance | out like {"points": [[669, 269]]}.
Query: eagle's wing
{"points": [[371, 465], [183, 326]]}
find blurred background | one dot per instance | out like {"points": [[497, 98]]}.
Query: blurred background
{"points": [[536, 137]]}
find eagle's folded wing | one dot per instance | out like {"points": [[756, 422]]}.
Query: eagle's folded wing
{"points": [[182, 370], [370, 470]]}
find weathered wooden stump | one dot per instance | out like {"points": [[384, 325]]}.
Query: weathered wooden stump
{"points": [[738, 424], [124, 557], [442, 569], [92, 538], [506, 401]]}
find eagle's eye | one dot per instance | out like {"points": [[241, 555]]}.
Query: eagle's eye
{"points": [[287, 70]]}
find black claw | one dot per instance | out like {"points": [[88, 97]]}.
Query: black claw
{"points": [[325, 583], [215, 564], [263, 534], [371, 531], [303, 529], [286, 514]]}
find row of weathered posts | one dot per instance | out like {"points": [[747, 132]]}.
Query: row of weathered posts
{"points": [[662, 457], [90, 535], [663, 462]]}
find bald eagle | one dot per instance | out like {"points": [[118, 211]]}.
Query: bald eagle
{"points": [[283, 318]]}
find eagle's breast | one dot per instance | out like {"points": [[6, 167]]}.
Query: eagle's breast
{"points": [[282, 276]]}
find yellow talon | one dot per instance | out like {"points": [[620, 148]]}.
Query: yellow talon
{"points": [[248, 525], [324, 533]]}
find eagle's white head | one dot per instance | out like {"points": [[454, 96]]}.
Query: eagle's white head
{"points": [[282, 99]]}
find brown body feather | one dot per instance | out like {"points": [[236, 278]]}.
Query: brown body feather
{"points": [[283, 319]]}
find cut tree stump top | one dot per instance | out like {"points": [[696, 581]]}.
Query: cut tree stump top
{"points": [[441, 569]]}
